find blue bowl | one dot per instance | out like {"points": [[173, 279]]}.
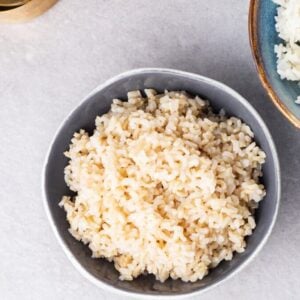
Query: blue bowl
{"points": [[263, 38]]}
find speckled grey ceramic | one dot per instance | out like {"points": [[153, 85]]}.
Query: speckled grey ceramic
{"points": [[263, 38], [101, 272]]}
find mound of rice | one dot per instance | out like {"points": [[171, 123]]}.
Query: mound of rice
{"points": [[164, 186], [288, 28]]}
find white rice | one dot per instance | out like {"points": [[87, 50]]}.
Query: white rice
{"points": [[164, 186], [288, 28]]}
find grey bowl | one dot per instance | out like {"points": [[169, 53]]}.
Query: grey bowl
{"points": [[101, 272]]}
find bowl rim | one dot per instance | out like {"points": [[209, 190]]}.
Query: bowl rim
{"points": [[277, 178], [254, 45]]}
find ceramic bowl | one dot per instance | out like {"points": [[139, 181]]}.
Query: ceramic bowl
{"points": [[25, 12], [263, 38], [103, 273]]}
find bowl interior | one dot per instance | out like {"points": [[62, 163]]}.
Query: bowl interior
{"points": [[99, 103], [267, 38]]}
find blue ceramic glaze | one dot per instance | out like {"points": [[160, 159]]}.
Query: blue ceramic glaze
{"points": [[267, 36]]}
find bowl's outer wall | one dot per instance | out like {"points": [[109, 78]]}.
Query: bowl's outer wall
{"points": [[286, 90], [99, 103]]}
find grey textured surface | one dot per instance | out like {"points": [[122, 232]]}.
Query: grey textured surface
{"points": [[48, 65]]}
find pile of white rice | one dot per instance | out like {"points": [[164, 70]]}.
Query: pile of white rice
{"points": [[164, 186], [288, 52]]}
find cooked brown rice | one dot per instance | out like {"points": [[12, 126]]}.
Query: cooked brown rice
{"points": [[164, 186]]}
